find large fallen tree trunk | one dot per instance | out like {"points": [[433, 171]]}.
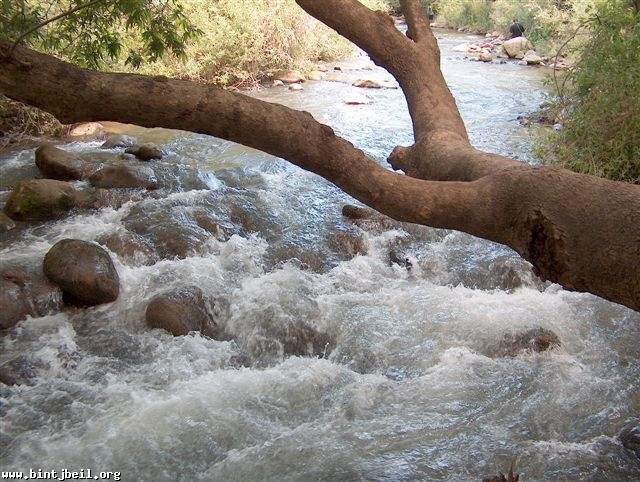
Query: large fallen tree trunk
{"points": [[579, 231]]}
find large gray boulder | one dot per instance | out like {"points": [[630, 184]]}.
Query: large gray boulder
{"points": [[59, 164], [124, 176], [181, 311], [41, 199], [516, 48], [83, 270]]}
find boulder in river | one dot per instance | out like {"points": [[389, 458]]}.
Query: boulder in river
{"points": [[25, 294], [315, 75], [124, 176], [18, 371], [145, 152], [83, 270], [534, 340], [630, 437], [367, 84], [290, 77], [115, 141], [532, 58], [86, 130], [130, 247], [295, 87], [59, 164], [180, 312], [41, 199], [516, 48]]}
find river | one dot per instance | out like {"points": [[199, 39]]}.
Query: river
{"points": [[407, 393]]}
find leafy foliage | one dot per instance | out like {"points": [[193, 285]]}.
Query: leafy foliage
{"points": [[246, 41], [601, 134], [89, 32]]}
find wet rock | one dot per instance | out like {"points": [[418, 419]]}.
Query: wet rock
{"points": [[516, 48], [116, 198], [510, 477], [19, 371], [296, 87], [124, 176], [532, 58], [25, 294], [535, 340], [41, 199], [347, 244], [172, 230], [180, 312], [290, 77], [207, 222], [115, 141], [356, 212], [354, 99], [145, 152], [629, 436], [83, 270], [132, 248], [58, 164], [86, 130], [367, 84], [278, 83], [305, 259], [6, 223]]}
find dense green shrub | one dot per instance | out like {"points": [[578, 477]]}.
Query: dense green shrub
{"points": [[244, 42], [473, 15], [601, 134]]}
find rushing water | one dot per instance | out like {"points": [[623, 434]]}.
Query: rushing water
{"points": [[408, 393]]}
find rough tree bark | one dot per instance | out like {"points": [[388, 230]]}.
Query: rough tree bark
{"points": [[579, 231]]}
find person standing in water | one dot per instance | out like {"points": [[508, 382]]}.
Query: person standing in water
{"points": [[516, 29]]}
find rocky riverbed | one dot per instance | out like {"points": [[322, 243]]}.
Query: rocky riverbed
{"points": [[175, 306]]}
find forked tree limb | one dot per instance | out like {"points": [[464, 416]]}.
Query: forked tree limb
{"points": [[577, 230]]}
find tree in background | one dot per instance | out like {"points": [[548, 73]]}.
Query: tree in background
{"points": [[601, 101]]}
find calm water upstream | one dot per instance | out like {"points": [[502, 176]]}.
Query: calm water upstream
{"points": [[408, 393]]}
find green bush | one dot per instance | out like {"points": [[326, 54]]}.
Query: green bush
{"points": [[601, 134], [245, 42], [473, 15]]}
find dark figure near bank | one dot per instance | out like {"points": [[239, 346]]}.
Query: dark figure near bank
{"points": [[516, 29]]}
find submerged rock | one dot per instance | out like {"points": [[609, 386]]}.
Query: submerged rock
{"points": [[145, 152], [58, 164], [296, 87], [181, 312], [131, 248], [24, 294], [83, 270], [630, 437], [367, 84], [124, 176], [534, 340], [41, 199], [118, 141], [348, 245], [18, 371]]}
